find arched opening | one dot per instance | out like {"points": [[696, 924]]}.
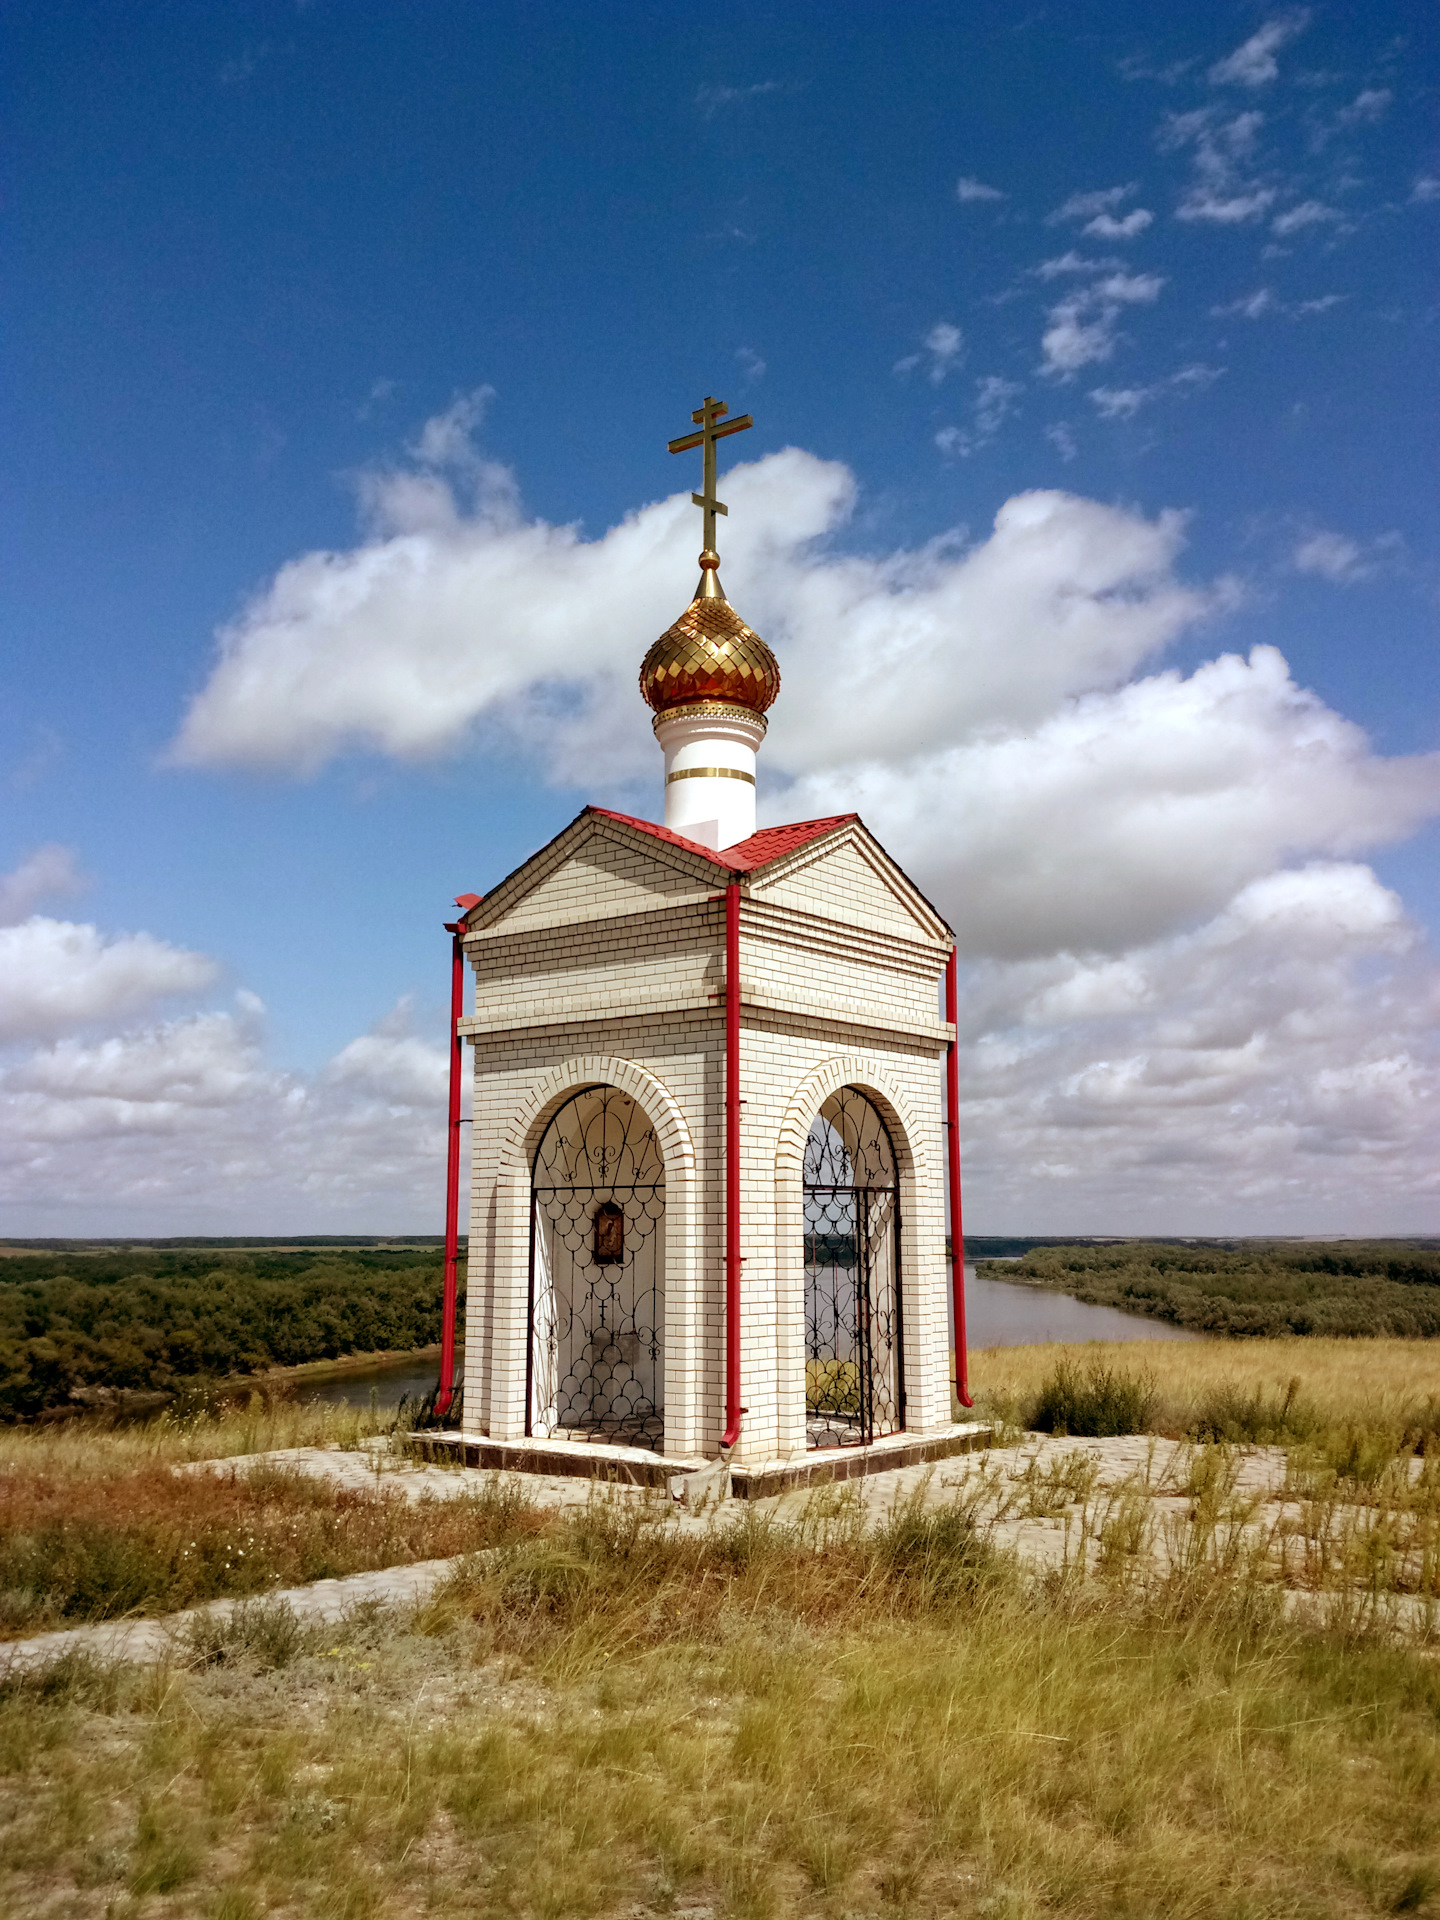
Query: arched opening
{"points": [[597, 1275], [854, 1363]]}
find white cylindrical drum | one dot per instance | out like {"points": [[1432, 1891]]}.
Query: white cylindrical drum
{"points": [[709, 749]]}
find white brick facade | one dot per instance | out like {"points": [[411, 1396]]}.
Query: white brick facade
{"points": [[602, 961]]}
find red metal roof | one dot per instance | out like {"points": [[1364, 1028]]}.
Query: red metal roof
{"points": [[770, 843]]}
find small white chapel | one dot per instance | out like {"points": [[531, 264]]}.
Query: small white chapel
{"points": [[707, 1183]]}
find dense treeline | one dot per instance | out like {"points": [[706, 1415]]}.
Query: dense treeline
{"points": [[76, 1325], [1255, 1288]]}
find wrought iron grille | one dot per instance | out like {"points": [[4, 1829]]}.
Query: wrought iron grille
{"points": [[597, 1275], [854, 1364]]}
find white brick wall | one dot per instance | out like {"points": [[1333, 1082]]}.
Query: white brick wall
{"points": [[611, 968]]}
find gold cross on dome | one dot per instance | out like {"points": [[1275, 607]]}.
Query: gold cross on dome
{"points": [[707, 418]]}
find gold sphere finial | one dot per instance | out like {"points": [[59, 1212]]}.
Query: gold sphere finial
{"points": [[709, 560]]}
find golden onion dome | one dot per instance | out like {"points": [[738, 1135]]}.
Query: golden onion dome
{"points": [[710, 654]]}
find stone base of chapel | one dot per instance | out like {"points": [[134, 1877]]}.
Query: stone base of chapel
{"points": [[637, 1467]]}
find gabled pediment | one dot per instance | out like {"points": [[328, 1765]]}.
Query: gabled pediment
{"points": [[597, 868], [849, 877]]}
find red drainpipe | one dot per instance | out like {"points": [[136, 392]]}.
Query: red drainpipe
{"points": [[456, 930], [733, 1408], [957, 1231]]}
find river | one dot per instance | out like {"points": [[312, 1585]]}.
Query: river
{"points": [[1000, 1313]]}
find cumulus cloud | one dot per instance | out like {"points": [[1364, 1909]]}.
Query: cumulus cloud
{"points": [[48, 872], [1085, 206], [1108, 226], [1370, 105], [995, 399], [1083, 328], [1250, 306], [1221, 193], [184, 1125], [1071, 262], [56, 976], [1184, 989], [943, 348], [1341, 560], [1099, 212], [1309, 213], [1253, 63], [1123, 815], [1274, 1069], [1123, 403]]}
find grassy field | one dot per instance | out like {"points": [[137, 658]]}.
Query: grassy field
{"points": [[821, 1718], [1252, 1289], [613, 1721], [1316, 1391]]}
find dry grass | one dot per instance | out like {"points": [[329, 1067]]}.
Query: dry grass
{"points": [[1377, 1385], [819, 1722], [207, 1432], [76, 1546]]}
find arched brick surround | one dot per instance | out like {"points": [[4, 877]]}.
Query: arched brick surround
{"points": [[522, 1137], [869, 1075]]}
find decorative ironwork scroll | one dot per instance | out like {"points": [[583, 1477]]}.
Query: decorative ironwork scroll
{"points": [[854, 1363], [597, 1275]]}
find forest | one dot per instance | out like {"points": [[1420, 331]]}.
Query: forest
{"points": [[1249, 1288], [76, 1327]]}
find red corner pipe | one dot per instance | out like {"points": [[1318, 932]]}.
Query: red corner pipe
{"points": [[733, 1408], [456, 930], [957, 1231]]}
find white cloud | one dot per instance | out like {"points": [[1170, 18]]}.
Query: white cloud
{"points": [[1099, 211], [1309, 213], [752, 367], [1219, 195], [1253, 64], [1082, 328], [968, 190], [1426, 188], [1341, 560], [1187, 1001], [1123, 403], [56, 976], [944, 348], [715, 99], [48, 872], [1085, 206], [995, 399], [1225, 210], [1275, 1069], [1369, 106], [1321, 305], [1071, 262], [1251, 306], [185, 1126], [1061, 437], [1105, 226], [1125, 815]]}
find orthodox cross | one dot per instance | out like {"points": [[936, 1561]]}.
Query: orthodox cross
{"points": [[708, 421]]}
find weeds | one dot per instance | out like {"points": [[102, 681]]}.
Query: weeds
{"points": [[1097, 1399], [626, 1719], [1260, 1392], [76, 1547]]}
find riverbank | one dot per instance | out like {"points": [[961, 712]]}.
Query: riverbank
{"points": [[317, 1372], [1256, 1288]]}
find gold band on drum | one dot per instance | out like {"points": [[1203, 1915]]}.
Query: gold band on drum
{"points": [[709, 773]]}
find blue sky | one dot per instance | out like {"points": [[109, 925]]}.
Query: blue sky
{"points": [[1122, 264]]}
